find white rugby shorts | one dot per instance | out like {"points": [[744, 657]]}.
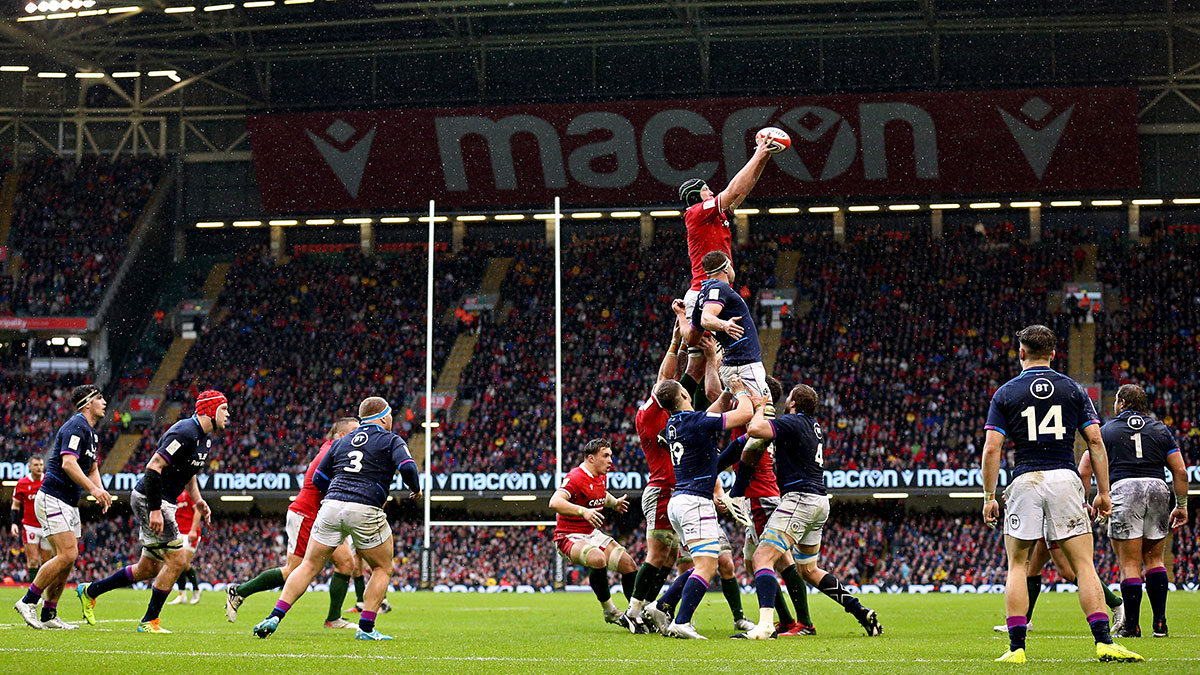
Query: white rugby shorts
{"points": [[56, 516], [365, 525], [1046, 504], [802, 516], [694, 518], [1141, 508], [754, 376], [36, 535]]}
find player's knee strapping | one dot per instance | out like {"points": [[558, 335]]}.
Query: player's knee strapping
{"points": [[614, 552], [706, 548], [773, 537], [582, 555], [811, 559]]}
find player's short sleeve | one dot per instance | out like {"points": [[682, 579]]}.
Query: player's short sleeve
{"points": [[71, 447], [714, 295], [1088, 414], [1167, 438], [786, 426], [572, 485], [400, 452], [712, 422], [995, 419]]}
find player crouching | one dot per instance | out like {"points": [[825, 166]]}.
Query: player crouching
{"points": [[580, 504]]}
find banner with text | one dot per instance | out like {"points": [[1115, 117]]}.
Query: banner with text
{"points": [[947, 143]]}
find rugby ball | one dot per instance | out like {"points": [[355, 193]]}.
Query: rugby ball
{"points": [[777, 139]]}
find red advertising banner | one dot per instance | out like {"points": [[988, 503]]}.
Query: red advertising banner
{"points": [[76, 324], [144, 404], [441, 401], [946, 143]]}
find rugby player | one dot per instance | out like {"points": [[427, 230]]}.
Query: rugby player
{"points": [[25, 525], [355, 475], [691, 438], [801, 515], [1141, 449], [580, 504], [1042, 554], [73, 464], [182, 452], [757, 484], [189, 526], [300, 517], [1041, 410]]}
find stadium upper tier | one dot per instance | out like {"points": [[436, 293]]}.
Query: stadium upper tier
{"points": [[70, 230]]}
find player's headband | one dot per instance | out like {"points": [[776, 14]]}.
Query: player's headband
{"points": [[728, 263], [87, 399], [689, 192], [377, 416]]}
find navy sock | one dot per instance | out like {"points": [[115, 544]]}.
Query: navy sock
{"points": [[49, 610], [830, 586], [693, 593], [1099, 625], [671, 598], [767, 587], [1156, 589], [157, 598], [1018, 626], [1131, 592], [32, 595], [119, 579]]}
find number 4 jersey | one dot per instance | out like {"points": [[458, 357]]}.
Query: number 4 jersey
{"points": [[1040, 410]]}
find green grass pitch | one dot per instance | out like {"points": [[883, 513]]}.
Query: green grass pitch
{"points": [[457, 634]]}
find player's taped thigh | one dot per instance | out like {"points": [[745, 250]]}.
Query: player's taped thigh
{"points": [[667, 537], [805, 558], [158, 551], [614, 553], [705, 548], [775, 538]]}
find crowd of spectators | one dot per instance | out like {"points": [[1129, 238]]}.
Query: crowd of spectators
{"points": [[70, 228], [32, 408]]}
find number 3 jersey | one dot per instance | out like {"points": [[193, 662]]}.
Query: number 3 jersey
{"points": [[1040, 410], [360, 465]]}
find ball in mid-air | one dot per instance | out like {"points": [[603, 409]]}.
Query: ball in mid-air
{"points": [[777, 139]]}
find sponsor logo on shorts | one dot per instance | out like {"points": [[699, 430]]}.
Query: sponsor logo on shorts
{"points": [[1014, 521]]}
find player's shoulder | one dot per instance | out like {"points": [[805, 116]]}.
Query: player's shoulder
{"points": [[24, 481]]}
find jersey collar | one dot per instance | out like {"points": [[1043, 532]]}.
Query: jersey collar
{"points": [[199, 426], [589, 473], [369, 424], [1037, 369], [84, 418]]}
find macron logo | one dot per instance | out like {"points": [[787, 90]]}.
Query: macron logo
{"points": [[1038, 145], [348, 164]]}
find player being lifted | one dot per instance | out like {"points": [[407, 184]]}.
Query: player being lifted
{"points": [[580, 504], [25, 525], [300, 517], [1140, 447], [354, 475], [756, 483], [1040, 410], [182, 452], [691, 438], [800, 517], [73, 464]]}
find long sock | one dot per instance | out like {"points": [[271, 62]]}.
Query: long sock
{"points": [[337, 595], [767, 588], [32, 594], [193, 579], [693, 593], [1111, 599], [49, 610], [798, 592], [366, 621], [1018, 626], [1099, 625], [181, 582], [1156, 588], [360, 585], [272, 578], [781, 606], [829, 585], [659, 580], [646, 575], [733, 596], [696, 390], [1131, 591], [628, 584], [671, 598], [281, 609], [598, 578], [119, 579], [30, 574], [1034, 585], [157, 598]]}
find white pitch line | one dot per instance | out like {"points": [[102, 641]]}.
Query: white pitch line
{"points": [[511, 659]]}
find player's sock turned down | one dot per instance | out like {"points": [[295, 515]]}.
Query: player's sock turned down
{"points": [[337, 595], [693, 593], [767, 587], [366, 621], [831, 586], [671, 598], [733, 596], [1112, 599], [1131, 592], [598, 578], [281, 609], [119, 579], [1018, 626], [798, 592], [157, 598], [1033, 584], [272, 578], [49, 610], [1156, 590], [1098, 622]]}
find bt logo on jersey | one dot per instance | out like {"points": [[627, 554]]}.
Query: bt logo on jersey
{"points": [[1042, 388]]}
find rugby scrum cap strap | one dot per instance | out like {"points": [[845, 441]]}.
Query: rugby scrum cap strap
{"points": [[689, 192]]}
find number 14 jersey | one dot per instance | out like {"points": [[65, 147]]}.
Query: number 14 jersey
{"points": [[1041, 410]]}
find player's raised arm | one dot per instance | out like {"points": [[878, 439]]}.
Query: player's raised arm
{"points": [[670, 361], [744, 410], [759, 427], [743, 182], [712, 367]]}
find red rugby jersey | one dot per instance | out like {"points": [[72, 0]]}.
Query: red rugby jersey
{"points": [[650, 421], [308, 502], [585, 490], [707, 230], [26, 490]]}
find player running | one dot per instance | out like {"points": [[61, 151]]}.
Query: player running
{"points": [[355, 475], [800, 517], [73, 464], [1141, 447], [182, 451], [691, 438], [1040, 410], [300, 517], [580, 504], [189, 527], [25, 525], [756, 483]]}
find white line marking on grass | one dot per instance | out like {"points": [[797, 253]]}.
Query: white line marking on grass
{"points": [[508, 659]]}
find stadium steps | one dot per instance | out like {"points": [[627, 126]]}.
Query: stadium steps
{"points": [[216, 281], [1088, 272], [121, 451], [172, 361], [770, 339], [497, 272], [8, 200], [786, 264], [1082, 355], [456, 362]]}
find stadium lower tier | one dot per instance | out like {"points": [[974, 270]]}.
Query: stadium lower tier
{"points": [[862, 545]]}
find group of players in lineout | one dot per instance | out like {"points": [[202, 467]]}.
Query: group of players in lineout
{"points": [[723, 390]]}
